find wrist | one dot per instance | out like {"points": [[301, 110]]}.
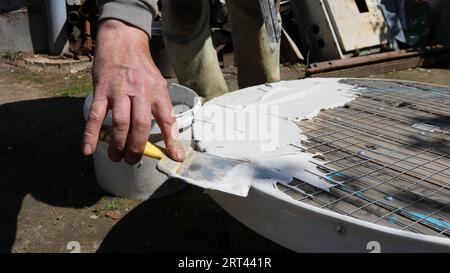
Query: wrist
{"points": [[118, 28]]}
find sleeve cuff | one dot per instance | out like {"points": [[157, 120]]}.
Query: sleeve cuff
{"points": [[134, 15]]}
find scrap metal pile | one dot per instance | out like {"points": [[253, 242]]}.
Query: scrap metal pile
{"points": [[325, 35], [82, 16]]}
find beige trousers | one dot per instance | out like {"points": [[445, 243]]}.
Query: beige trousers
{"points": [[187, 37]]}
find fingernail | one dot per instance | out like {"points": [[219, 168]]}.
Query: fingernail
{"points": [[132, 158], [131, 161], [114, 155], [87, 149]]}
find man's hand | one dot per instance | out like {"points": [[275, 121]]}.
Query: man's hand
{"points": [[127, 81]]}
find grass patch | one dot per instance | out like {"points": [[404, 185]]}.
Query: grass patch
{"points": [[56, 84], [76, 89], [12, 55], [110, 206]]}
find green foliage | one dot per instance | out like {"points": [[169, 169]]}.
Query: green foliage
{"points": [[12, 55], [77, 89]]}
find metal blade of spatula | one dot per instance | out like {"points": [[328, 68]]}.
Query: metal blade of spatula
{"points": [[211, 172], [203, 170]]}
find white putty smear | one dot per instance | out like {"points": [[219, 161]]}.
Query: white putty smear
{"points": [[257, 124]]}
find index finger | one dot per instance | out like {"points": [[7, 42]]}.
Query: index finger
{"points": [[94, 123]]}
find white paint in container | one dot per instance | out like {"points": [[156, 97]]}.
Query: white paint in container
{"points": [[143, 180]]}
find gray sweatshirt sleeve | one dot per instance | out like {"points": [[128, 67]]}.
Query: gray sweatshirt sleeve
{"points": [[138, 13]]}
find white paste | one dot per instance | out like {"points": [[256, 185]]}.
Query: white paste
{"points": [[233, 126]]}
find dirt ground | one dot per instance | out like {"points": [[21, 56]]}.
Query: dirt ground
{"points": [[48, 195]]}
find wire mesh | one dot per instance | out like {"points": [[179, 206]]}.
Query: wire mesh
{"points": [[387, 153]]}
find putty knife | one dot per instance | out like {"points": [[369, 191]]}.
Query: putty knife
{"points": [[201, 169]]}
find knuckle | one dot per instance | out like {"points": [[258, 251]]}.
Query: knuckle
{"points": [[88, 134], [141, 126], [163, 83], [120, 121], [94, 116], [100, 85], [136, 81], [167, 121]]}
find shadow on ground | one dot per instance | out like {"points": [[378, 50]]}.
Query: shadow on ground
{"points": [[189, 221], [40, 156]]}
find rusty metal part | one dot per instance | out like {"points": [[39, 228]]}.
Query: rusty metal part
{"points": [[388, 66], [73, 17], [82, 17], [426, 56], [86, 7], [75, 47], [87, 35]]}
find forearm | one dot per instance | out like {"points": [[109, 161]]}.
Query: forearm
{"points": [[138, 13]]}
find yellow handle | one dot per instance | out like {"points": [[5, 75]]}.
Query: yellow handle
{"points": [[151, 150], [154, 151]]}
